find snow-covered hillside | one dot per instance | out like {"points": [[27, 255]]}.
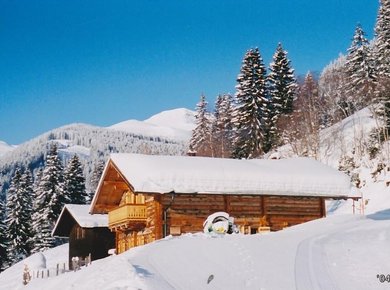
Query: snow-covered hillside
{"points": [[174, 124], [165, 133], [338, 252], [5, 148], [345, 136], [350, 137]]}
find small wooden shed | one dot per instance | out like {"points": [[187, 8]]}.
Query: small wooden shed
{"points": [[88, 234], [148, 197]]}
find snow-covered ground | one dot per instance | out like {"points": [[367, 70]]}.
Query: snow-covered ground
{"points": [[337, 252], [174, 124]]}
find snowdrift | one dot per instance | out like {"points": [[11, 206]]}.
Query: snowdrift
{"points": [[338, 252]]}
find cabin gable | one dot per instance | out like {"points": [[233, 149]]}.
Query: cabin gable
{"points": [[87, 234]]}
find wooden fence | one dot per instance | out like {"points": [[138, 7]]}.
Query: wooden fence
{"points": [[59, 269]]}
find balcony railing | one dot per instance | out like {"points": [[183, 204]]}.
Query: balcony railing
{"points": [[127, 216]]}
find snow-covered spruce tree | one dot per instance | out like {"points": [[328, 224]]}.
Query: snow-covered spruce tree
{"points": [[281, 82], [222, 126], [27, 188], [200, 142], [282, 88], [49, 201], [382, 57], [18, 220], [250, 110], [360, 73], [382, 40], [3, 239], [95, 178], [74, 182]]}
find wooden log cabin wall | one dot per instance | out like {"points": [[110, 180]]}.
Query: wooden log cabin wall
{"points": [[186, 213], [148, 197]]}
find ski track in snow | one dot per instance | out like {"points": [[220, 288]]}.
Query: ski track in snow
{"points": [[311, 266]]}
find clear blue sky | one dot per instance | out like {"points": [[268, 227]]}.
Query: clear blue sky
{"points": [[102, 62]]}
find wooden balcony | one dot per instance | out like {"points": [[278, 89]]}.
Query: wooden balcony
{"points": [[128, 216]]}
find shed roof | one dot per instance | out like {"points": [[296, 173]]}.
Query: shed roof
{"points": [[184, 174], [77, 213]]}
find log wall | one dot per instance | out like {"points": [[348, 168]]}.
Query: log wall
{"points": [[190, 211], [187, 212]]}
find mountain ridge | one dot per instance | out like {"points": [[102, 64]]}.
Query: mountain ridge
{"points": [[94, 143]]}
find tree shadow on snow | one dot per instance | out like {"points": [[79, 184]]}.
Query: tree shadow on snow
{"points": [[380, 215], [141, 271]]}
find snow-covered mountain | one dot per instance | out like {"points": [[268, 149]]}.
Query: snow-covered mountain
{"points": [[165, 133], [5, 148], [174, 124]]}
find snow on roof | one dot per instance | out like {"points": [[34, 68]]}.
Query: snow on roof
{"points": [[80, 213], [183, 174]]}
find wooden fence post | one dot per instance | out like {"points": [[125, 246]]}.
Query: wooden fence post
{"points": [[48, 273], [57, 269]]}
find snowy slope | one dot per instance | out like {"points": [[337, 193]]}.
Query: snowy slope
{"points": [[181, 118], [174, 124], [341, 138], [12, 277], [5, 148], [346, 137], [338, 252]]}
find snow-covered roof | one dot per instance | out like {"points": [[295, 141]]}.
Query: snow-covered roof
{"points": [[80, 214], [184, 174]]}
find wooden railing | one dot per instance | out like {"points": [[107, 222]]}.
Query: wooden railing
{"points": [[127, 214]]}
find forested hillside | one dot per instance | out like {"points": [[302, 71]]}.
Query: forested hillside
{"points": [[89, 142]]}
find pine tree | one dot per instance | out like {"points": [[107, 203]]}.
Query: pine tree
{"points": [[282, 88], [222, 126], [50, 201], [382, 57], [360, 73], [382, 40], [18, 221], [282, 83], [74, 182], [95, 178], [3, 238], [200, 142], [252, 102], [27, 189]]}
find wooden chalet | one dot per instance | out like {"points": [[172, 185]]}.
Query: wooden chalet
{"points": [[149, 197], [88, 234]]}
